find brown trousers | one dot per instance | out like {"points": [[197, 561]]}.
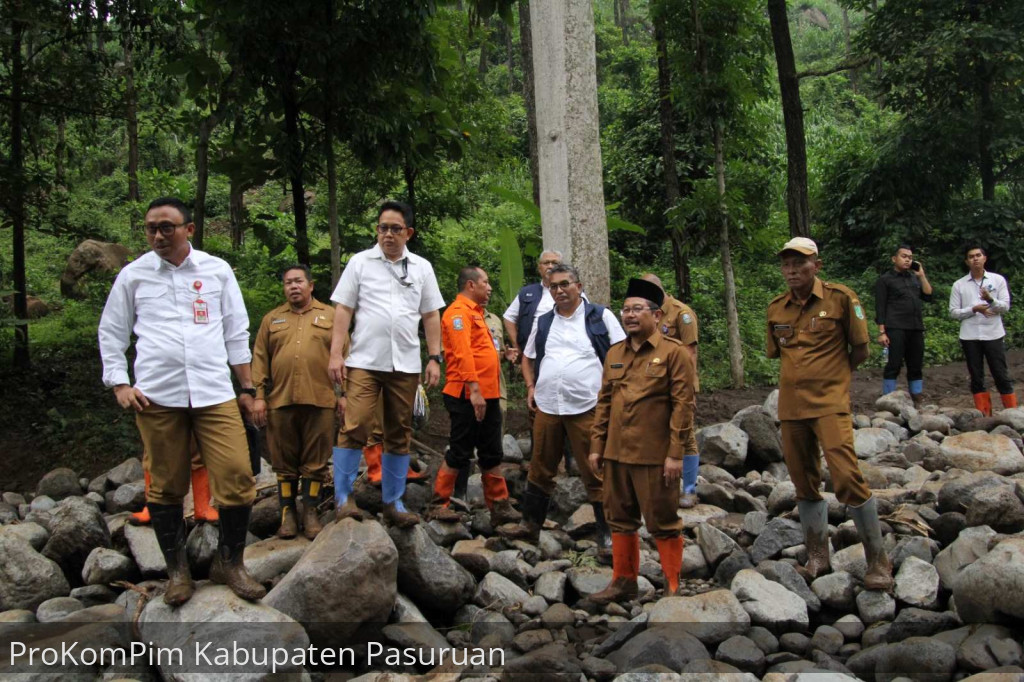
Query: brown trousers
{"points": [[363, 389], [167, 434], [549, 434], [834, 434], [635, 490], [300, 438]]}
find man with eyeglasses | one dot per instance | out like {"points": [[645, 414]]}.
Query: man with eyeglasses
{"points": [[186, 310], [295, 398], [562, 369], [819, 331], [532, 301], [640, 436], [388, 290]]}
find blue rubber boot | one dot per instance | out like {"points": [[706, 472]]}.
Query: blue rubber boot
{"points": [[394, 469], [917, 392], [346, 468], [691, 464], [888, 386]]}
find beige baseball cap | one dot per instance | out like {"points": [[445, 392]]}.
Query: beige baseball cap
{"points": [[802, 245]]}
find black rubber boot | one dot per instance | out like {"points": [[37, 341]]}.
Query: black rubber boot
{"points": [[227, 568], [603, 535], [169, 525], [534, 507]]}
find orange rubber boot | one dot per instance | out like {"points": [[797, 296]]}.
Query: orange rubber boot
{"points": [[444, 487], [670, 550], [201, 496], [1009, 400], [372, 453], [983, 401], [625, 569], [496, 497], [141, 518]]}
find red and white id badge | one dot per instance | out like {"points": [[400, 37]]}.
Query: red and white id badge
{"points": [[200, 314]]}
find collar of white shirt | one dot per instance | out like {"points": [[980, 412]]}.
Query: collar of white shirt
{"points": [[377, 252], [194, 257]]}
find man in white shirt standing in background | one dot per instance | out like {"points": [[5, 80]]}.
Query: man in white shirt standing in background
{"points": [[388, 289], [187, 313], [562, 365], [979, 300]]}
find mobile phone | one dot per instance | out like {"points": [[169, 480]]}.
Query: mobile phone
{"points": [[915, 266]]}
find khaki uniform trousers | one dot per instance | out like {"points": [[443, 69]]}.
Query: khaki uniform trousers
{"points": [[300, 438], [834, 434], [167, 434], [363, 390], [549, 434], [635, 490]]}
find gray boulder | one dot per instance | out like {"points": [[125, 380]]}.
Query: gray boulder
{"points": [[76, 528], [567, 497], [32, 533], [267, 559], [428, 575], [836, 590], [764, 444], [875, 605], [550, 663], [511, 452], [27, 578], [127, 471], [786, 575], [997, 507], [776, 536], [970, 545], [104, 566], [711, 617], [496, 591], [989, 646], [769, 603], [872, 441], [145, 550], [723, 445], [667, 645], [918, 658], [980, 451], [128, 497], [551, 586], [771, 404], [714, 544], [742, 653], [782, 498], [56, 609], [990, 589], [917, 584], [59, 483], [346, 578]]}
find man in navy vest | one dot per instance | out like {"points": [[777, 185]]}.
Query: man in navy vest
{"points": [[532, 301], [562, 365]]}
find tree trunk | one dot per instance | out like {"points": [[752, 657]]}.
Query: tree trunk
{"points": [[986, 116], [60, 150], [797, 204], [202, 179], [332, 204], [485, 36], [506, 32], [17, 191], [101, 26], [625, 21], [668, 155], [410, 185], [529, 97], [131, 105], [732, 316], [291, 123], [236, 214], [848, 50]]}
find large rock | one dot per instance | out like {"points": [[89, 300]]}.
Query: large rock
{"points": [[550, 663], [724, 445], [497, 591], [215, 621], [997, 507], [771, 404], [59, 483], [769, 603], [76, 528], [128, 497], [875, 605], [776, 536], [836, 590], [27, 578], [991, 589], [714, 544], [568, 496], [959, 488], [127, 471], [711, 617], [764, 445], [917, 583], [668, 645], [267, 559], [786, 575], [346, 578], [980, 451], [104, 566], [32, 533], [872, 441], [145, 550], [428, 575], [970, 545], [91, 255], [989, 646], [782, 498], [919, 658], [896, 402]]}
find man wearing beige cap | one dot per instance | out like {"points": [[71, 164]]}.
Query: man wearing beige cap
{"points": [[819, 331]]}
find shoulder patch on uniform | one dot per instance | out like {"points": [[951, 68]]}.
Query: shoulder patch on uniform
{"points": [[858, 311], [457, 323], [687, 318], [672, 340]]}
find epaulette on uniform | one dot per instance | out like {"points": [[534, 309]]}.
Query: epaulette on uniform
{"points": [[672, 340]]}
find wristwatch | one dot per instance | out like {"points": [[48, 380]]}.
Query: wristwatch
{"points": [[439, 359], [248, 391]]}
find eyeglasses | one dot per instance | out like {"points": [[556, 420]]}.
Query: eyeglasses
{"points": [[636, 310], [392, 228], [166, 229], [555, 286]]}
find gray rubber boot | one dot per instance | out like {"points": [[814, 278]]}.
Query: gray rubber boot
{"points": [[814, 521], [879, 573]]}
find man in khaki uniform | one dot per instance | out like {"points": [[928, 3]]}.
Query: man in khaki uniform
{"points": [[641, 433], [819, 331], [678, 321], [289, 370]]}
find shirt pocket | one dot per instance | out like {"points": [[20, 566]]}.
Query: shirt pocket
{"points": [[616, 374], [212, 298], [153, 300], [822, 325], [322, 329]]}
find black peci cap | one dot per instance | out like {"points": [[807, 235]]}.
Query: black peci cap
{"points": [[641, 288]]}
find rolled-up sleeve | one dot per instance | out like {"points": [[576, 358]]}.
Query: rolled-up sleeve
{"points": [[115, 330], [236, 322]]}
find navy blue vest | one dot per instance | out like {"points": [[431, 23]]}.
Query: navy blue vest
{"points": [[529, 299], [597, 332]]}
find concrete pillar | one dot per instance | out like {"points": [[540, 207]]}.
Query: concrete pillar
{"points": [[568, 139]]}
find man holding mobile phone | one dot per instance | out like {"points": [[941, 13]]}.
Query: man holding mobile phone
{"points": [[899, 297]]}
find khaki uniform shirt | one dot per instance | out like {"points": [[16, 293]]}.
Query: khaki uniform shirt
{"points": [[678, 321], [497, 328], [645, 409], [813, 341], [290, 357]]}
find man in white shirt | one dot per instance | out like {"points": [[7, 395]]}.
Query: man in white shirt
{"points": [[979, 300], [531, 302], [186, 310], [565, 355], [388, 290]]}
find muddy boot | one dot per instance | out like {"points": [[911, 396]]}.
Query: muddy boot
{"points": [[625, 569], [201, 508], [169, 525], [394, 469], [346, 468], [879, 573], [670, 551], [602, 535], [462, 483], [142, 518], [496, 497], [918, 399], [289, 527], [227, 568], [444, 488], [534, 505], [814, 521], [310, 500]]}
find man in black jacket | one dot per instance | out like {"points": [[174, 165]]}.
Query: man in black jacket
{"points": [[899, 295]]}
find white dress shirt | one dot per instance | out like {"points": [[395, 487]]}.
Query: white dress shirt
{"points": [[388, 300], [178, 363], [966, 294], [570, 375], [546, 304]]}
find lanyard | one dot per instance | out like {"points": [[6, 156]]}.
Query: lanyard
{"points": [[404, 279]]}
